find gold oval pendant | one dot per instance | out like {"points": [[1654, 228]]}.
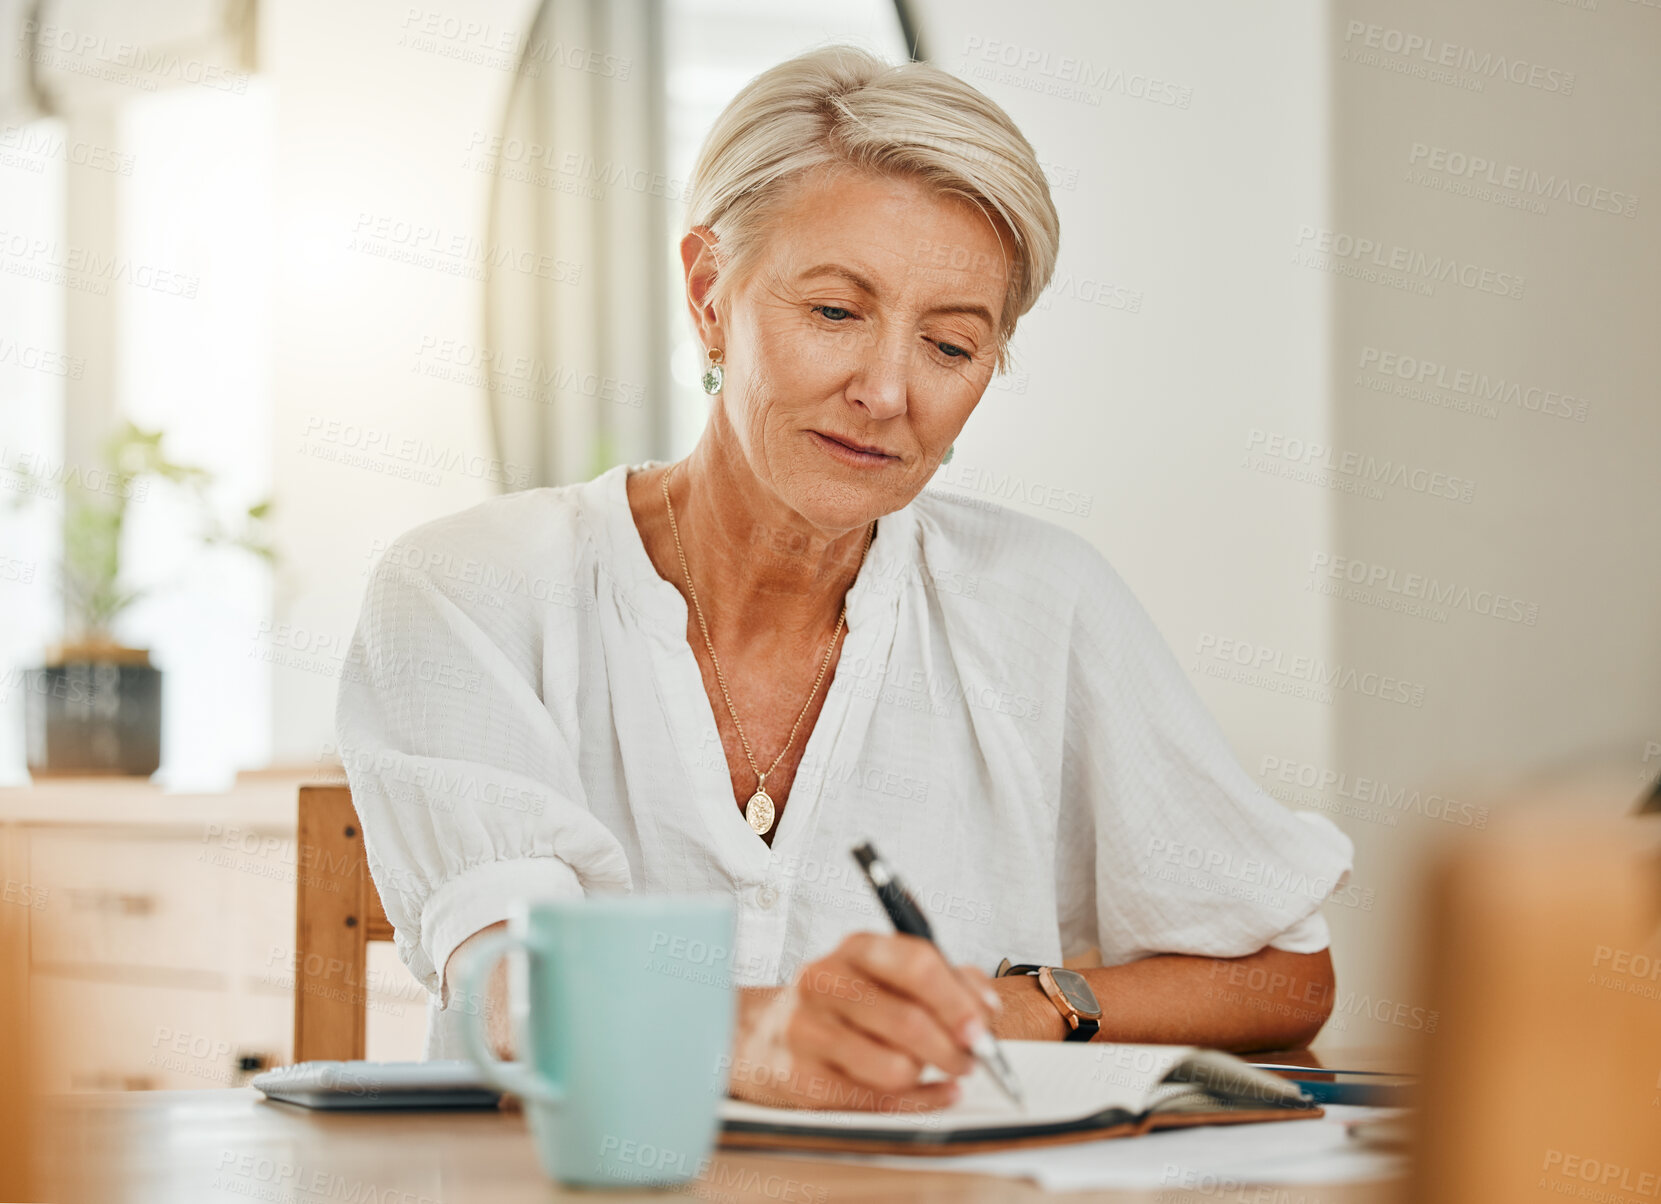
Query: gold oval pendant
{"points": [[758, 812]]}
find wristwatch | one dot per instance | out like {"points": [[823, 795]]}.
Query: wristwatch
{"points": [[1070, 993]]}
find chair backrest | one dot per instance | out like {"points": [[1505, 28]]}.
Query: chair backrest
{"points": [[337, 913]]}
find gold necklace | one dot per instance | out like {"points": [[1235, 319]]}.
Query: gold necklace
{"points": [[758, 812]]}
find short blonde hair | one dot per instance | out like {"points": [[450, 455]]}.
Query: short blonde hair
{"points": [[840, 106]]}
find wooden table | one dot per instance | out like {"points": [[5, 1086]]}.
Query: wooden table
{"points": [[183, 1146]]}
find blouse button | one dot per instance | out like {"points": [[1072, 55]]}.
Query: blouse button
{"points": [[766, 896]]}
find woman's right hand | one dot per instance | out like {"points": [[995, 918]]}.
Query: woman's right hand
{"points": [[854, 1030]]}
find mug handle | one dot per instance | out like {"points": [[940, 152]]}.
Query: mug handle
{"points": [[518, 1077]]}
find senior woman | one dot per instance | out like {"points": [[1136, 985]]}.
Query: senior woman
{"points": [[721, 673]]}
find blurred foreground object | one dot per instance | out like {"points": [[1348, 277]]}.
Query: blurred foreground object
{"points": [[1544, 1080], [16, 1103]]}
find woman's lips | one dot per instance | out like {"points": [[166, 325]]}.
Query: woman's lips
{"points": [[851, 455]]}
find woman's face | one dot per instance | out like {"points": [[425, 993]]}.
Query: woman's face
{"points": [[870, 319]]}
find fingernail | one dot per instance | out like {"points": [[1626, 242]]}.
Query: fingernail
{"points": [[973, 1030], [993, 999]]}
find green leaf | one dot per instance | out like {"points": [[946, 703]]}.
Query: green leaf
{"points": [[93, 523]]}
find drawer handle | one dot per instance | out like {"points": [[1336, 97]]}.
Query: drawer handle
{"points": [[119, 902]]}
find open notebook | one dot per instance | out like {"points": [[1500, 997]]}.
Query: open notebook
{"points": [[1074, 1092]]}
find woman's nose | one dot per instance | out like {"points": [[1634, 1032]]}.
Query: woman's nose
{"points": [[879, 383]]}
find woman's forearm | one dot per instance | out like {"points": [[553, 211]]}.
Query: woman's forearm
{"points": [[1270, 1000]]}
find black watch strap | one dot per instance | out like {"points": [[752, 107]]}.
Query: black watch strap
{"points": [[1087, 1028]]}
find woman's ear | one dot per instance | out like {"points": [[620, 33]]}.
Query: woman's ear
{"points": [[698, 259]]}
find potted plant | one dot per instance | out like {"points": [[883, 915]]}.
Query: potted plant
{"points": [[94, 707]]}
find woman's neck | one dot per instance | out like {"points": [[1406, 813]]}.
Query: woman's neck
{"points": [[760, 569]]}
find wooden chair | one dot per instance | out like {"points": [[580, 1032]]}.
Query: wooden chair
{"points": [[337, 913]]}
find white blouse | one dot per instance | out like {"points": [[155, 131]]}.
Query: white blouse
{"points": [[523, 717]]}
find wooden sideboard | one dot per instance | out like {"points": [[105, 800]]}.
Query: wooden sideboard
{"points": [[156, 931]]}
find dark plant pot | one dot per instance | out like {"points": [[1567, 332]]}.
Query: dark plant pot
{"points": [[93, 714]]}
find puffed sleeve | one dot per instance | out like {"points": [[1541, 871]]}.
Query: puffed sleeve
{"points": [[466, 786], [1189, 855]]}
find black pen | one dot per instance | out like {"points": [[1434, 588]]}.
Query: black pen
{"points": [[909, 919]]}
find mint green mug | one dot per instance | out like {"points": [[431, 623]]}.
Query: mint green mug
{"points": [[625, 1045]]}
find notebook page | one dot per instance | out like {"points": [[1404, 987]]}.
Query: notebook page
{"points": [[1062, 1081]]}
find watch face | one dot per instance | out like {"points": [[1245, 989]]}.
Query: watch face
{"points": [[1077, 991]]}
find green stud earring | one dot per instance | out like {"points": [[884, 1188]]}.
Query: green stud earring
{"points": [[714, 378], [947, 458]]}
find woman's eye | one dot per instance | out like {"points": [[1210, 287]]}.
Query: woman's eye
{"points": [[834, 312], [954, 352]]}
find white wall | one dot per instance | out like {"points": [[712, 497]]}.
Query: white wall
{"points": [[1561, 522]]}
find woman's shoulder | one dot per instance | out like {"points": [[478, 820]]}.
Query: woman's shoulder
{"points": [[1038, 586], [517, 522], [500, 545], [994, 543]]}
